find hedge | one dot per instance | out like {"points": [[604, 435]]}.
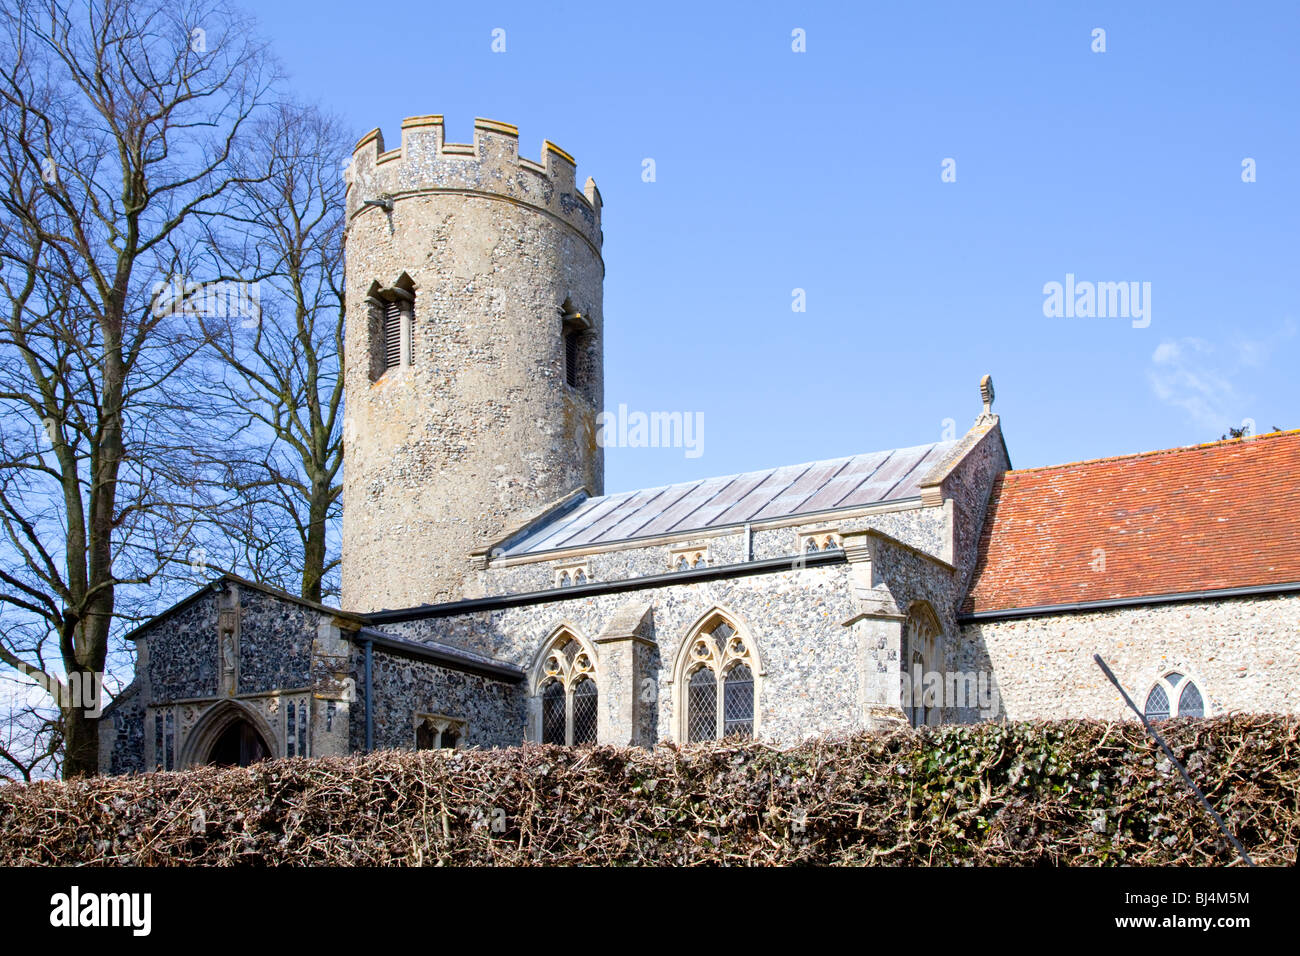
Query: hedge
{"points": [[1066, 792]]}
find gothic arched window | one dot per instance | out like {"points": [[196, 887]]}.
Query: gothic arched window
{"points": [[1174, 695], [567, 689], [919, 656], [719, 685]]}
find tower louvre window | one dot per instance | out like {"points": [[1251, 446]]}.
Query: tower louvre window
{"points": [[392, 326], [571, 358], [575, 329], [392, 334]]}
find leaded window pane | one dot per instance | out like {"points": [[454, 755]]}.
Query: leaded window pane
{"points": [[1173, 679], [1190, 703], [738, 702], [702, 706], [553, 713], [584, 712], [571, 649], [1157, 703]]}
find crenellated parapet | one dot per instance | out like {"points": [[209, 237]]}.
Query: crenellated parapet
{"points": [[491, 167]]}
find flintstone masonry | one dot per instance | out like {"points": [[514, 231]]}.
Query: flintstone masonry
{"points": [[494, 595], [493, 262]]}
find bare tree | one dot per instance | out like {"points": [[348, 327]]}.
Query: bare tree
{"points": [[282, 382], [31, 733], [119, 121]]}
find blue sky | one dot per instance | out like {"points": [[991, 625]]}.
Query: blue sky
{"points": [[821, 170]]}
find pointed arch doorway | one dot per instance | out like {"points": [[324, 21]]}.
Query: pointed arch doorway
{"points": [[228, 735], [239, 745]]}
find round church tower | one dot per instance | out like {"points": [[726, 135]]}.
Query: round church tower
{"points": [[474, 353]]}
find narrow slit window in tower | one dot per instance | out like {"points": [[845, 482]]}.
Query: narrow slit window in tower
{"points": [[392, 334], [571, 358]]}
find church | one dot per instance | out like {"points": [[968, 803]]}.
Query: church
{"points": [[493, 594]]}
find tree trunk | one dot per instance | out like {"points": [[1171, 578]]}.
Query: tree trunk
{"points": [[81, 734], [313, 565]]}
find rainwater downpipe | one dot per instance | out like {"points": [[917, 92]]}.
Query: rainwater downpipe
{"points": [[368, 690]]}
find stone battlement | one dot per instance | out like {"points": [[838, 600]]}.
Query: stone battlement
{"points": [[491, 166]]}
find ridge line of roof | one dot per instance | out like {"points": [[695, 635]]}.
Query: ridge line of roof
{"points": [[1177, 449], [773, 468]]}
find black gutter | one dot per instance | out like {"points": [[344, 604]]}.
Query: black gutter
{"points": [[1177, 597], [597, 588], [452, 658]]}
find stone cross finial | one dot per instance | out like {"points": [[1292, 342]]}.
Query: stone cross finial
{"points": [[986, 393]]}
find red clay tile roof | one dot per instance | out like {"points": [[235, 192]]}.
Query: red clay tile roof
{"points": [[1222, 515]]}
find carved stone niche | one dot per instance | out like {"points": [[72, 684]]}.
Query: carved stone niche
{"points": [[228, 642]]}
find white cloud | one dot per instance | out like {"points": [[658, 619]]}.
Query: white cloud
{"points": [[1184, 374], [1201, 377]]}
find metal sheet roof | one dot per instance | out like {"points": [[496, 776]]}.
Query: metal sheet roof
{"points": [[718, 502]]}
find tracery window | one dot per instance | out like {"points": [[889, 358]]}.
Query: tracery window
{"points": [[436, 732], [719, 686], [918, 656], [688, 558], [568, 693], [1174, 695], [164, 749], [816, 541], [296, 717], [572, 574]]}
